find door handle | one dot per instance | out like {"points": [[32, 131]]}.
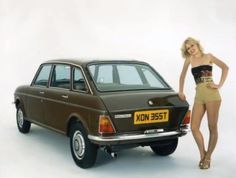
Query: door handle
{"points": [[41, 92], [65, 96]]}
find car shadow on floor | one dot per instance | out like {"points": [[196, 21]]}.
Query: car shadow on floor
{"points": [[134, 159]]}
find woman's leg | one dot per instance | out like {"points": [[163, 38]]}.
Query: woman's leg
{"points": [[212, 115], [197, 115]]}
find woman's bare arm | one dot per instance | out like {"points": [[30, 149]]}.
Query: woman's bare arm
{"points": [[224, 69], [182, 79]]}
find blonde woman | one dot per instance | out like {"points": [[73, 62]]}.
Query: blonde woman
{"points": [[207, 98]]}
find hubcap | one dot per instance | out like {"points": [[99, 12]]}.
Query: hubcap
{"points": [[20, 118], [78, 145]]}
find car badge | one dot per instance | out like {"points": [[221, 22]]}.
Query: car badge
{"points": [[122, 116], [150, 102]]}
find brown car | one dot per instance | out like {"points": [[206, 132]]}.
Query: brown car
{"points": [[109, 105]]}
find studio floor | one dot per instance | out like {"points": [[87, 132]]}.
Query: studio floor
{"points": [[43, 153]]}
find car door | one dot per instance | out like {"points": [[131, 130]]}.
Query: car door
{"points": [[36, 94], [56, 109]]}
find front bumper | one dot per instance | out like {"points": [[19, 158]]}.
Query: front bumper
{"points": [[136, 138]]}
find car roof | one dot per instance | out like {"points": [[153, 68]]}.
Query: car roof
{"points": [[85, 61]]}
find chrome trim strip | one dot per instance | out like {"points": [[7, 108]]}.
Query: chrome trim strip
{"points": [[185, 129], [133, 137]]}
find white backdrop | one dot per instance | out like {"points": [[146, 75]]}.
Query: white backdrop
{"points": [[150, 30]]}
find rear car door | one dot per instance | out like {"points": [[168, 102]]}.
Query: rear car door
{"points": [[56, 108]]}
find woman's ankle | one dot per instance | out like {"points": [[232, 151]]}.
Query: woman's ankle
{"points": [[207, 156]]}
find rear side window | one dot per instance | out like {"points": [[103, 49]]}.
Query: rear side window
{"points": [[78, 80], [43, 75], [61, 76]]}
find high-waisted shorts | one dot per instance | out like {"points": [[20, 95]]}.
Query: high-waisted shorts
{"points": [[205, 94]]}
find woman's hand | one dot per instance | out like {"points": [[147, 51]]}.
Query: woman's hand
{"points": [[182, 96], [213, 85]]}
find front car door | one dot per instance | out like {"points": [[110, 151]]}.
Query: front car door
{"points": [[36, 95]]}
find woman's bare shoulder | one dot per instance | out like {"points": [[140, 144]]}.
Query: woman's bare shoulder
{"points": [[209, 57]]}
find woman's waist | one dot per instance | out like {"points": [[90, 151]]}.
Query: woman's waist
{"points": [[201, 80]]}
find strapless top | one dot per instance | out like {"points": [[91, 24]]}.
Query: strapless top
{"points": [[202, 73]]}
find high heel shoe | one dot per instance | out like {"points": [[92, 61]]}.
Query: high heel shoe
{"points": [[206, 164], [200, 163], [202, 160]]}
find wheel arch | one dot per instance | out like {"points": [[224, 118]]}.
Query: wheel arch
{"points": [[75, 118], [18, 102]]}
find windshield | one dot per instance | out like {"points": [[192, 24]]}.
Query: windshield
{"points": [[118, 77]]}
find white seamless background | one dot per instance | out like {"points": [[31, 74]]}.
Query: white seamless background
{"points": [[150, 30]]}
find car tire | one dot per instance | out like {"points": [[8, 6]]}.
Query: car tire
{"points": [[165, 147], [83, 151], [22, 124]]}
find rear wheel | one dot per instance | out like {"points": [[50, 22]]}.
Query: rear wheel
{"points": [[165, 147], [22, 124], [83, 151]]}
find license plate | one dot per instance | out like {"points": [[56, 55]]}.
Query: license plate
{"points": [[151, 116]]}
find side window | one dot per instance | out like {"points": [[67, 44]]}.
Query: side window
{"points": [[78, 80], [43, 75], [61, 76]]}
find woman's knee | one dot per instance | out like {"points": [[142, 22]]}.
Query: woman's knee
{"points": [[194, 129], [213, 128]]}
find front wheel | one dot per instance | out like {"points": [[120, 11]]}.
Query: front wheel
{"points": [[22, 124], [83, 151], [165, 147]]}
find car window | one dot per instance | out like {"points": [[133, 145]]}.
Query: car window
{"points": [[78, 80], [61, 76], [128, 75], [152, 80], [118, 77], [43, 75], [102, 74]]}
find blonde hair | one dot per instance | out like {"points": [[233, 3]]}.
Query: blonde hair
{"points": [[184, 50]]}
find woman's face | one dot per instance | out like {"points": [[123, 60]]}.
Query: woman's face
{"points": [[192, 48]]}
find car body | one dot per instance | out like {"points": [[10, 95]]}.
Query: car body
{"points": [[108, 104]]}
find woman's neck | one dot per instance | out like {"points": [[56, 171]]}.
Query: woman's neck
{"points": [[198, 55]]}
